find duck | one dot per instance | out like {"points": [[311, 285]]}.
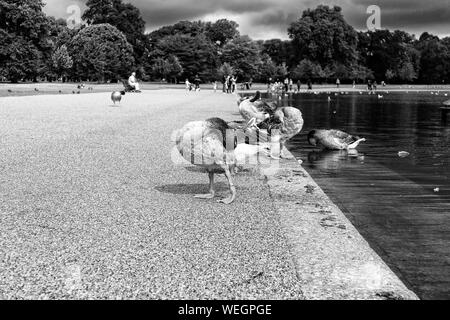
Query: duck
{"points": [[116, 96], [206, 144], [333, 139]]}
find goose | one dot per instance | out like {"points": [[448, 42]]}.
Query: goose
{"points": [[116, 96], [334, 139], [288, 121], [206, 144], [252, 110]]}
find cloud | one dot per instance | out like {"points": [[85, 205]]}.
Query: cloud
{"points": [[263, 19]]}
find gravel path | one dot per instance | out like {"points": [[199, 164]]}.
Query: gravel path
{"points": [[91, 206]]}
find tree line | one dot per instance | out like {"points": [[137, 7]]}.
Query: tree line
{"points": [[112, 42]]}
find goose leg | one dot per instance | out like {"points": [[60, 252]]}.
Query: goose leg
{"points": [[355, 144], [284, 153], [231, 198], [211, 193]]}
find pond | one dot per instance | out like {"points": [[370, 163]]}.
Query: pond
{"points": [[401, 205]]}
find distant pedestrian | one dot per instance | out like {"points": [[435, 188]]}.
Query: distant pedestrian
{"points": [[197, 83], [299, 85], [338, 83], [286, 85], [188, 85], [354, 84], [224, 84], [250, 83], [375, 85], [233, 84], [291, 85], [309, 84], [215, 86], [229, 84]]}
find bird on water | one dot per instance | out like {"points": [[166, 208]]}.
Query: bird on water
{"points": [[333, 139]]}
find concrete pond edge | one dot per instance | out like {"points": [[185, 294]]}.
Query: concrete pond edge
{"points": [[332, 260]]}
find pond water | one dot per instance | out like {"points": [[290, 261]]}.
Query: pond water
{"points": [[400, 205]]}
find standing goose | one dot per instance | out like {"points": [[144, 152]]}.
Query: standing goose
{"points": [[206, 144], [334, 139], [252, 110], [288, 122], [116, 96]]}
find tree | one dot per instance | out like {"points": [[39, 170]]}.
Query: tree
{"points": [[406, 72], [222, 31], [124, 16], [243, 55], [434, 60], [322, 35], [383, 51], [24, 34], [167, 68], [307, 69], [101, 52], [280, 51], [225, 70], [196, 54], [62, 62]]}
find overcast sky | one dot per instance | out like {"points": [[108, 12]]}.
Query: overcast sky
{"points": [[265, 19]]}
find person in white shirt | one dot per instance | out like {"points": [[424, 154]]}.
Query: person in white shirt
{"points": [[132, 81]]}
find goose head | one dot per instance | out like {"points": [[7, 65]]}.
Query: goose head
{"points": [[312, 139]]}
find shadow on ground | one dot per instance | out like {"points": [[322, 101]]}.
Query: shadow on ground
{"points": [[189, 188]]}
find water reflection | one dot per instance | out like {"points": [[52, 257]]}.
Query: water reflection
{"points": [[331, 160], [391, 200]]}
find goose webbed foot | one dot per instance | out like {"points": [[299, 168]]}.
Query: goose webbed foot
{"points": [[211, 193], [205, 196], [231, 198]]}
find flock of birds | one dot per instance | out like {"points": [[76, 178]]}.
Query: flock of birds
{"points": [[204, 143]]}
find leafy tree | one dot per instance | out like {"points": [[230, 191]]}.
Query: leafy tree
{"points": [[101, 52], [196, 54], [167, 68], [222, 31], [62, 62], [322, 35], [225, 70], [435, 59], [243, 55], [24, 33], [278, 50], [307, 69], [124, 16], [383, 51]]}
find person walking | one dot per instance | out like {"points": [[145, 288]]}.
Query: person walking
{"points": [[215, 86], [299, 85], [338, 83], [229, 84], [188, 85], [233, 84], [286, 85], [291, 85], [309, 84], [197, 83]]}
